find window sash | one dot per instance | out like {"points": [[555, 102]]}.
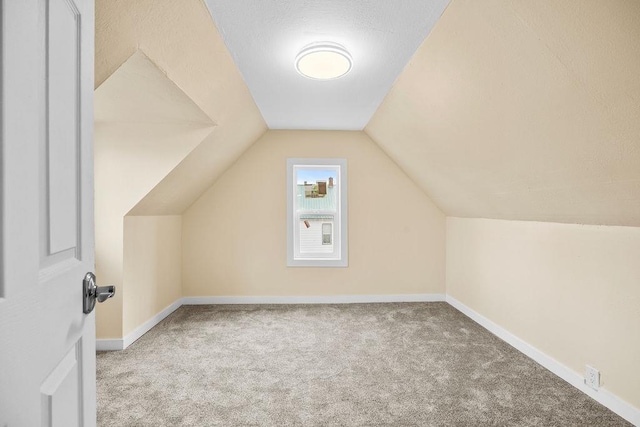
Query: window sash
{"points": [[331, 247]]}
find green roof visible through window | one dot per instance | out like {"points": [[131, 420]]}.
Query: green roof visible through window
{"points": [[326, 203]]}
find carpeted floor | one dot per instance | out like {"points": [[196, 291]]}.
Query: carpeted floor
{"points": [[410, 364]]}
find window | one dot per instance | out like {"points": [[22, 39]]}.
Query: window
{"points": [[317, 212], [326, 233]]}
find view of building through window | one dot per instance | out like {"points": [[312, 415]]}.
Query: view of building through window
{"points": [[315, 211]]}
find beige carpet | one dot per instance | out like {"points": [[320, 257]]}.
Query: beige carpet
{"points": [[413, 364]]}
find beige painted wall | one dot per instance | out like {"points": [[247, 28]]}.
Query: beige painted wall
{"points": [[234, 236], [152, 267], [128, 161], [144, 126], [572, 291]]}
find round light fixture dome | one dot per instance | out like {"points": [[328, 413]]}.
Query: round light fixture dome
{"points": [[323, 61]]}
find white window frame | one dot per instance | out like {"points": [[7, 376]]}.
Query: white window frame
{"points": [[339, 229]]}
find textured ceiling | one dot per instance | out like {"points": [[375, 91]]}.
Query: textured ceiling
{"points": [[182, 40], [523, 110], [264, 37]]}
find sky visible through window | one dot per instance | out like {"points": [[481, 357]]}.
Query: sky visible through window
{"points": [[314, 175]]}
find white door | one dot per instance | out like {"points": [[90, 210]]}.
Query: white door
{"points": [[47, 343]]}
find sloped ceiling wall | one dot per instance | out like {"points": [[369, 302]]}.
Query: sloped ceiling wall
{"points": [[526, 110], [181, 39], [144, 126]]}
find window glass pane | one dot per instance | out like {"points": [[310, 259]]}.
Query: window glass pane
{"points": [[317, 189], [312, 237], [317, 212]]}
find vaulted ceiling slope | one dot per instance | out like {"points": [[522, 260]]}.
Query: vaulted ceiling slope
{"points": [[524, 110], [144, 127], [182, 40]]}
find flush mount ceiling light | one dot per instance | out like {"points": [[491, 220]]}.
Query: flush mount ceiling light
{"points": [[323, 61]]}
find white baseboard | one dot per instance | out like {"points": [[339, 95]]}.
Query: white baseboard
{"points": [[130, 338], [320, 299], [604, 397], [109, 344]]}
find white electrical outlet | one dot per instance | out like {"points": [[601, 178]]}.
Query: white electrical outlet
{"points": [[592, 377]]}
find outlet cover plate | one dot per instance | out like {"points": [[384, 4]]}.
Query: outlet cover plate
{"points": [[592, 377]]}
